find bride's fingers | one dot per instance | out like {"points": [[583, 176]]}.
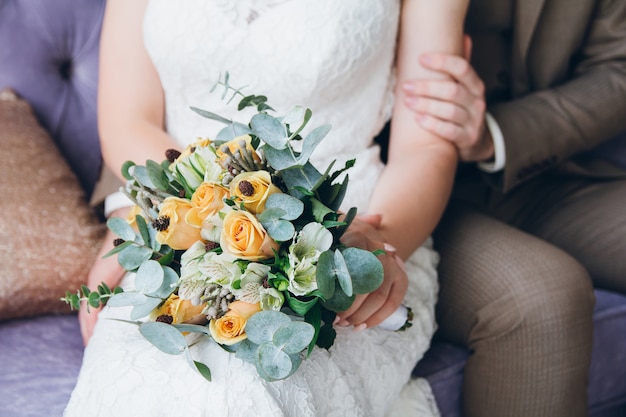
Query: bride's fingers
{"points": [[371, 219]]}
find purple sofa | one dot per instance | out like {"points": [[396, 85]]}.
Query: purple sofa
{"points": [[48, 54]]}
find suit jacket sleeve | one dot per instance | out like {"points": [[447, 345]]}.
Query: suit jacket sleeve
{"points": [[551, 124]]}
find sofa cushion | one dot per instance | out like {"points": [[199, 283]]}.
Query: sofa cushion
{"points": [[49, 56], [46, 225]]}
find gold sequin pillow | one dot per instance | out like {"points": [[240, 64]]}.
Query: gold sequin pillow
{"points": [[49, 235]]}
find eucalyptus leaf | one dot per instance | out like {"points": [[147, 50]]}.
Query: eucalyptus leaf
{"points": [[279, 230], [261, 326], [294, 337], [157, 175], [170, 278], [141, 175], [324, 274], [164, 337], [270, 130], [247, 351], [365, 269], [292, 206], [339, 301], [211, 115], [121, 228], [232, 131], [143, 229], [143, 310], [279, 159], [272, 362], [311, 141], [306, 177], [342, 273], [294, 116], [117, 249], [194, 328], [124, 299], [149, 277], [133, 256]]}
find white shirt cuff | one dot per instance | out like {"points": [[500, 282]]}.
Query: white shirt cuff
{"points": [[499, 160], [116, 201]]}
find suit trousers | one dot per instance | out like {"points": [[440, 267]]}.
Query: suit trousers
{"points": [[517, 273]]}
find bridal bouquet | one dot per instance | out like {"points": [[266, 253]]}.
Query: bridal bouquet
{"points": [[237, 238]]}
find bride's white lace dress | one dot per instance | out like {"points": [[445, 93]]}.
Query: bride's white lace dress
{"points": [[336, 58]]}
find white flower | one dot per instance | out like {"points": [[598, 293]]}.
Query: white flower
{"points": [[254, 272], [301, 274], [219, 269], [271, 299], [197, 167], [312, 240], [212, 226]]}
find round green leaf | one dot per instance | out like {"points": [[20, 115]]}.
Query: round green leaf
{"points": [[341, 271], [261, 327], [270, 130], [133, 256], [143, 310], [324, 275], [339, 301], [124, 299], [121, 228], [292, 206], [149, 277], [164, 337], [365, 269], [294, 337], [272, 362], [279, 230]]}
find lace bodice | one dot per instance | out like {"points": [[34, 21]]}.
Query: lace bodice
{"points": [[334, 57]]}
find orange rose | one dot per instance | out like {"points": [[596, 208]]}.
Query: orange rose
{"points": [[245, 238], [253, 188], [230, 328], [179, 311], [172, 228], [206, 201]]}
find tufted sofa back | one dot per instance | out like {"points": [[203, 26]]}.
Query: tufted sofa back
{"points": [[49, 56]]}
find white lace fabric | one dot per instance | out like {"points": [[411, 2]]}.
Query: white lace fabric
{"points": [[336, 58]]}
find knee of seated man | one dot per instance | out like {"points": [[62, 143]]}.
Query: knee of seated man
{"points": [[547, 297]]}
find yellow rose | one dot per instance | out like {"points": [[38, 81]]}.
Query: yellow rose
{"points": [[131, 218], [230, 328], [206, 201], [172, 228], [175, 310], [253, 188], [235, 144], [245, 238]]}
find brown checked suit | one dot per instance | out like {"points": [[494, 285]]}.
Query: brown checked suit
{"points": [[521, 248]]}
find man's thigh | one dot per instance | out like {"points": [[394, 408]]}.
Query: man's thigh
{"points": [[587, 219]]}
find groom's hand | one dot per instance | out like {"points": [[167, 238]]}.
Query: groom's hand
{"points": [[453, 109], [369, 310]]}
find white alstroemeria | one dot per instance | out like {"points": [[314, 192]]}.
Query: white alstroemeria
{"points": [[301, 274], [271, 299], [192, 282], [219, 269], [212, 226], [311, 241], [249, 293], [193, 168], [254, 272], [214, 173], [193, 254]]}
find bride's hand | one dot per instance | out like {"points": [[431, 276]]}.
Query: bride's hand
{"points": [[106, 270], [369, 310]]}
